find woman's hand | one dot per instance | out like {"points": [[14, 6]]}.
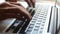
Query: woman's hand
{"points": [[31, 3], [13, 11], [8, 10]]}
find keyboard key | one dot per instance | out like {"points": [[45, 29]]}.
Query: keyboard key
{"points": [[29, 30], [38, 23], [16, 24], [36, 29], [31, 25], [34, 32], [40, 32], [37, 26]]}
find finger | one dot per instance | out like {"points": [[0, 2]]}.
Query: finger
{"points": [[10, 15], [33, 2], [3, 5], [58, 31], [29, 3], [16, 4], [8, 10], [5, 16], [25, 13]]}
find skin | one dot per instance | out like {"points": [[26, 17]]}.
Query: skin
{"points": [[58, 31], [11, 9], [31, 3]]}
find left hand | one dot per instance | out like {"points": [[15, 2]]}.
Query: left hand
{"points": [[31, 3]]}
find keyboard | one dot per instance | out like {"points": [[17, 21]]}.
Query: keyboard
{"points": [[40, 21]]}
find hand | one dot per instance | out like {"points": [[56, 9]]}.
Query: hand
{"points": [[58, 31], [14, 11], [31, 3]]}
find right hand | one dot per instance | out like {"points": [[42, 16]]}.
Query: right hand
{"points": [[14, 10]]}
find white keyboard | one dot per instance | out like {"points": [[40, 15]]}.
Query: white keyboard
{"points": [[40, 21]]}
